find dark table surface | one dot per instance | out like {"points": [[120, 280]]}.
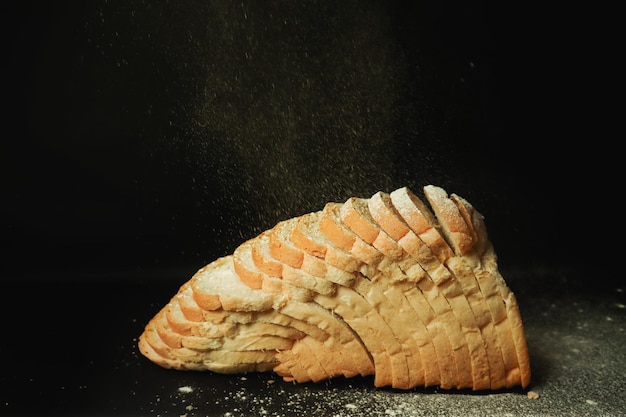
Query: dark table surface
{"points": [[69, 348]]}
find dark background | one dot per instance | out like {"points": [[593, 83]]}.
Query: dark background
{"points": [[142, 140], [151, 134]]}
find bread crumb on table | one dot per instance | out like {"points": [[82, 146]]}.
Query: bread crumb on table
{"points": [[533, 395]]}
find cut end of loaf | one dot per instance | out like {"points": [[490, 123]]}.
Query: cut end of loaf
{"points": [[388, 286]]}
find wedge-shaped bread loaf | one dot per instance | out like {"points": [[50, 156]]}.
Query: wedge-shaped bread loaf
{"points": [[387, 286]]}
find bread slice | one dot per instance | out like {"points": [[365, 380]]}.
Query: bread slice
{"points": [[460, 234], [245, 268], [281, 247], [421, 221], [263, 258], [379, 286]]}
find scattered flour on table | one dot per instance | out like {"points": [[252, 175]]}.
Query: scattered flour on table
{"points": [[283, 400]]}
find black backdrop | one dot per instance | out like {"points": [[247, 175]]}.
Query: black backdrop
{"points": [[141, 140], [144, 136]]}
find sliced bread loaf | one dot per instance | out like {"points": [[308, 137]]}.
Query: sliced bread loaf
{"points": [[379, 286]]}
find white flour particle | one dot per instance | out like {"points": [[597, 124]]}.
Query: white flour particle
{"points": [[185, 390]]}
